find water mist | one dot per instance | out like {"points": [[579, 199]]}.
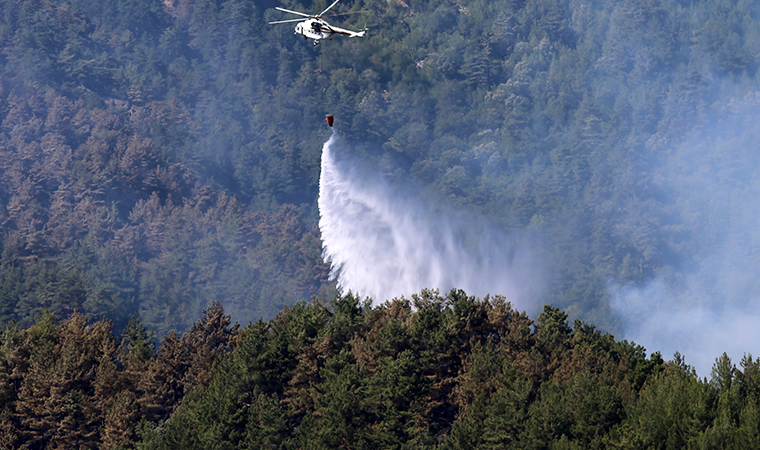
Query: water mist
{"points": [[385, 244]]}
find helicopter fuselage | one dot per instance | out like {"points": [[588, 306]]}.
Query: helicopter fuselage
{"points": [[316, 29]]}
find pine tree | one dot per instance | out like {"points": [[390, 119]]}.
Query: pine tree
{"points": [[161, 387]]}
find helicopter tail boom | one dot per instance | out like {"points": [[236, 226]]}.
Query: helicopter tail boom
{"points": [[349, 33]]}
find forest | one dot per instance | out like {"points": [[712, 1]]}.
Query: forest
{"points": [[448, 372], [159, 170], [159, 156]]}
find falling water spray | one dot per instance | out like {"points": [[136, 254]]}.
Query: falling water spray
{"points": [[384, 244]]}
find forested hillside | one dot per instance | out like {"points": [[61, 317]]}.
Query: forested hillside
{"points": [[139, 176], [159, 156], [449, 372], [159, 166]]}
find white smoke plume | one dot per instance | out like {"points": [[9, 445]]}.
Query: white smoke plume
{"points": [[383, 244], [668, 319], [710, 302]]}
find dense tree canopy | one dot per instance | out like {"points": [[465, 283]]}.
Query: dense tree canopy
{"points": [[158, 156], [159, 165], [431, 372]]}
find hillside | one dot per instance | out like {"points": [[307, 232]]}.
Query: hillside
{"points": [[158, 156], [159, 180]]}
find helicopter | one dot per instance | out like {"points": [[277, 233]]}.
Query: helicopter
{"points": [[317, 28]]}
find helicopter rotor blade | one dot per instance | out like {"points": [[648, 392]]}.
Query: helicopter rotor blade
{"points": [[346, 13], [285, 21], [295, 12], [328, 8]]}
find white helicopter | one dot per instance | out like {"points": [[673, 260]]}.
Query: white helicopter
{"points": [[317, 28]]}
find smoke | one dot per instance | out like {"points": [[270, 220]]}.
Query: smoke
{"points": [[384, 244], [708, 303], [700, 332]]}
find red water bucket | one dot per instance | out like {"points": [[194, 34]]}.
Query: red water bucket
{"points": [[329, 118]]}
